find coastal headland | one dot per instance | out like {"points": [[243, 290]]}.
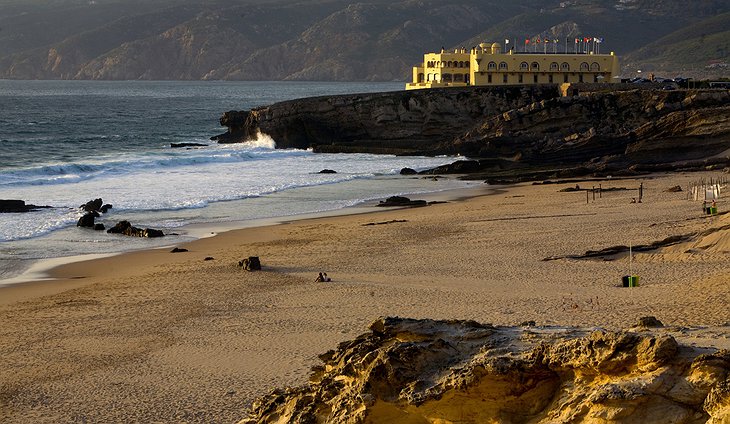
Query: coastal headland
{"points": [[157, 336], [511, 132]]}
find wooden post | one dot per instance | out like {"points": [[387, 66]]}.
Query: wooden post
{"points": [[593, 190], [600, 192], [586, 197], [641, 191]]}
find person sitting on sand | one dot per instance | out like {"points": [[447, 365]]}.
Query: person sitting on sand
{"points": [[320, 278], [326, 278]]}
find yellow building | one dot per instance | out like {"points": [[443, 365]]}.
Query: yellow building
{"points": [[487, 65]]}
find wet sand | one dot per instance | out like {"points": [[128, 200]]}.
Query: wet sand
{"points": [[154, 336]]}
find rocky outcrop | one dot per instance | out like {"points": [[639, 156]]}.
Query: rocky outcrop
{"points": [[528, 131], [407, 370], [406, 122], [16, 206], [127, 229]]}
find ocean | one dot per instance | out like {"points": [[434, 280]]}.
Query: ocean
{"points": [[63, 143]]}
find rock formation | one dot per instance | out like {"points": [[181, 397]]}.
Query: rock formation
{"points": [[16, 206], [397, 122], [420, 371], [124, 227], [528, 130]]}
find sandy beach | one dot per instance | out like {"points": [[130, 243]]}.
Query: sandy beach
{"points": [[154, 336]]}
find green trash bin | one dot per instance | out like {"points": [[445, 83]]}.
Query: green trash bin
{"points": [[713, 210], [630, 281]]}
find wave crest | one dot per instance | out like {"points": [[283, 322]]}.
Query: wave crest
{"points": [[263, 141]]}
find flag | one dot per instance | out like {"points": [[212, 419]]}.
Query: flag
{"points": [[577, 40], [527, 41], [506, 41], [547, 41], [599, 40], [538, 39]]}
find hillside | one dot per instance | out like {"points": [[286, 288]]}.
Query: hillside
{"points": [[333, 39]]}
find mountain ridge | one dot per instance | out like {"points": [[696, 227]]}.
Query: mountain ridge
{"points": [[335, 39]]}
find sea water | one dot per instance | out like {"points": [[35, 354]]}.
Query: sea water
{"points": [[63, 143]]}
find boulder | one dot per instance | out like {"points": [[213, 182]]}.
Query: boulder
{"points": [[105, 208], [178, 250], [252, 263], [125, 228], [99, 227], [400, 201], [92, 205], [408, 171], [87, 220], [327, 171]]}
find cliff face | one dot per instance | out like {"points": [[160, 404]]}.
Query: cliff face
{"points": [[508, 128], [420, 371], [397, 122], [629, 127]]}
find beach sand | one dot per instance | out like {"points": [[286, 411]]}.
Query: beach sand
{"points": [[160, 337]]}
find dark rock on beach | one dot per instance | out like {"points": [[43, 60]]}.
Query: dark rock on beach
{"points": [[327, 171], [125, 228], [400, 201], [87, 220], [92, 205], [178, 250], [408, 171]]}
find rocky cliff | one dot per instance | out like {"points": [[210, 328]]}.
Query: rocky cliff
{"points": [[397, 122], [424, 371], [509, 129]]}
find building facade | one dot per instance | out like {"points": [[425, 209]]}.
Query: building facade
{"points": [[487, 65]]}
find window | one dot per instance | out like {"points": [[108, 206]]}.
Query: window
{"points": [[534, 79], [595, 67], [534, 66], [554, 66], [564, 67], [489, 78], [504, 79], [450, 64], [491, 66], [550, 77], [580, 77], [584, 66], [524, 66], [520, 79], [595, 78], [420, 77], [502, 66], [565, 78]]}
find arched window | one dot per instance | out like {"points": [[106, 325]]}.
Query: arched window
{"points": [[502, 66], [450, 64], [491, 66], [564, 66], [584, 66], [524, 66], [420, 77], [534, 66], [554, 66], [595, 67], [461, 64]]}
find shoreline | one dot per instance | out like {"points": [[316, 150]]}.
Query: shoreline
{"points": [[52, 269], [153, 336]]}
